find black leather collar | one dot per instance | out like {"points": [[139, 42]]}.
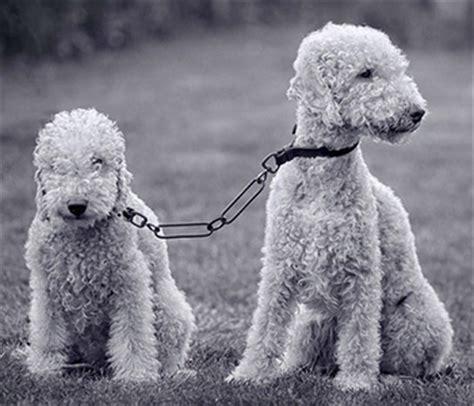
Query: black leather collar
{"points": [[290, 152]]}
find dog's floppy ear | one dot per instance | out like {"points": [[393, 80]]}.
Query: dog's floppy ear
{"points": [[311, 93], [41, 206], [316, 97], [124, 178], [312, 85]]}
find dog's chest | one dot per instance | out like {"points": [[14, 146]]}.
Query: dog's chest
{"points": [[311, 244], [314, 227], [81, 280]]}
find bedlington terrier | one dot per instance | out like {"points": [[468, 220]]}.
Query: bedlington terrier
{"points": [[102, 291], [342, 289]]}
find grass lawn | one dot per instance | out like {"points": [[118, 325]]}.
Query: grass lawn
{"points": [[199, 114]]}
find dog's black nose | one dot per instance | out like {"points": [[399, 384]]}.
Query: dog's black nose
{"points": [[417, 115], [78, 207]]}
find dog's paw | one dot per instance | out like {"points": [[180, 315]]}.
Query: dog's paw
{"points": [[136, 376], [390, 381], [183, 375], [136, 371], [355, 382], [240, 378], [44, 364], [21, 353], [234, 378], [172, 367], [241, 375]]}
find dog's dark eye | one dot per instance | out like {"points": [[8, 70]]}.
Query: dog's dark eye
{"points": [[366, 74], [97, 161]]}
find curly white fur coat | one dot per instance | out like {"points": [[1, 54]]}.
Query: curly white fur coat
{"points": [[102, 291], [342, 289]]}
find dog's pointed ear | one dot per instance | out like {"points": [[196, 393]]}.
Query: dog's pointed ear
{"points": [[40, 199]]}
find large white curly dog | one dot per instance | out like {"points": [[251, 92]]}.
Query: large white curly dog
{"points": [[102, 291], [338, 242]]}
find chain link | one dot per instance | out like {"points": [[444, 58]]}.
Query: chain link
{"points": [[204, 229], [230, 213]]}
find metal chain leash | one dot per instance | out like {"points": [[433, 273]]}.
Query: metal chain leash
{"points": [[238, 204], [231, 212]]}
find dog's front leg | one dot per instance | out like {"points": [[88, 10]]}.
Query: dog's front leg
{"points": [[267, 336], [358, 348], [48, 334], [132, 346]]}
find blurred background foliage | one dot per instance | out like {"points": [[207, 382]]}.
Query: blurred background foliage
{"points": [[71, 28]]}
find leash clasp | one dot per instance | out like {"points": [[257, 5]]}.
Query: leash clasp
{"points": [[137, 219], [273, 161]]}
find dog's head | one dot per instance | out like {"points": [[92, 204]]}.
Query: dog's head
{"points": [[81, 172], [352, 79]]}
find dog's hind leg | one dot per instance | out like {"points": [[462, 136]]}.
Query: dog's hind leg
{"points": [[416, 330], [416, 334], [174, 324], [174, 319]]}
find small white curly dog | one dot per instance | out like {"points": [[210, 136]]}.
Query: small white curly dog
{"points": [[102, 291], [339, 258]]}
